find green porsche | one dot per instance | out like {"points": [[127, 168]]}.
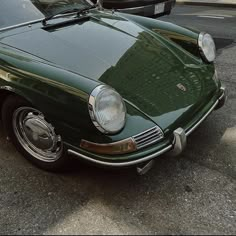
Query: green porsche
{"points": [[110, 88]]}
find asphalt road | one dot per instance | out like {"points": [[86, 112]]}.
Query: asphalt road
{"points": [[194, 193]]}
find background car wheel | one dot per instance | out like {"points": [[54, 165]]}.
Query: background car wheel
{"points": [[32, 134]]}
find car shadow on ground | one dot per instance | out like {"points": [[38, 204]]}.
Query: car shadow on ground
{"points": [[35, 201]]}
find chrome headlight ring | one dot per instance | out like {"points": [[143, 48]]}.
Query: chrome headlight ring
{"points": [[207, 47], [107, 109]]}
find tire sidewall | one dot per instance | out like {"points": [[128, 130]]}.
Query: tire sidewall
{"points": [[11, 104]]}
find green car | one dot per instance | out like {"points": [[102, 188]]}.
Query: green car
{"points": [[110, 88]]}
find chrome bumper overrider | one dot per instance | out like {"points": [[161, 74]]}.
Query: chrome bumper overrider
{"points": [[175, 148]]}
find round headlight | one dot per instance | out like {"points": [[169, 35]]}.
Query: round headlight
{"points": [[107, 109], [207, 47]]}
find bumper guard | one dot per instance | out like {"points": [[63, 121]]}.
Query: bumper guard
{"points": [[175, 148]]}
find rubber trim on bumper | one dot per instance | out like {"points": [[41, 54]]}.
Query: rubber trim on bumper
{"points": [[152, 156]]}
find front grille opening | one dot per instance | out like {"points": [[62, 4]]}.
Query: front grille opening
{"points": [[148, 137]]}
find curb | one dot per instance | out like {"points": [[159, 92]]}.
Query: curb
{"points": [[206, 3]]}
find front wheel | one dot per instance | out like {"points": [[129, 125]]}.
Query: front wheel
{"points": [[33, 136]]}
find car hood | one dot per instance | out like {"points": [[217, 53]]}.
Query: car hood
{"points": [[147, 70], [88, 48]]}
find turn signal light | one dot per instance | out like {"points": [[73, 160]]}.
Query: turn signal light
{"points": [[120, 147]]}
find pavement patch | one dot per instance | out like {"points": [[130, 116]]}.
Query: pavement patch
{"points": [[223, 43]]}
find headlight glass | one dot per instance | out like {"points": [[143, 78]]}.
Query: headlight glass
{"points": [[107, 109], [207, 47]]}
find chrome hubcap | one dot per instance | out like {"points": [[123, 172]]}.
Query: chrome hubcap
{"points": [[36, 135]]}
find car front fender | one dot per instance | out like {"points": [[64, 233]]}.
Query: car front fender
{"points": [[183, 37]]}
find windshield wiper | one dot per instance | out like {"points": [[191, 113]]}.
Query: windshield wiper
{"points": [[76, 10]]}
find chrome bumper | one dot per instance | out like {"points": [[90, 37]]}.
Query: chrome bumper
{"points": [[175, 148]]}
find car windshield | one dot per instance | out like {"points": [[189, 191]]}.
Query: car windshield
{"points": [[13, 12]]}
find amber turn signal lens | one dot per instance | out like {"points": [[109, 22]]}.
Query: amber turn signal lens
{"points": [[120, 147]]}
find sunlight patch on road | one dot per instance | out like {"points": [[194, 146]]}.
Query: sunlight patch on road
{"points": [[229, 137]]}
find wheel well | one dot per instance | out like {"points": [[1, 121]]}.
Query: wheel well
{"points": [[3, 95]]}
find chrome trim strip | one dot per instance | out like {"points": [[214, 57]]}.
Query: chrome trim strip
{"points": [[148, 137], [121, 164], [91, 109], [207, 114], [202, 119], [145, 144], [8, 88], [153, 129], [152, 156], [223, 94], [200, 45], [22, 24]]}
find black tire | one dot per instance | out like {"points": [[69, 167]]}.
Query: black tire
{"points": [[10, 106]]}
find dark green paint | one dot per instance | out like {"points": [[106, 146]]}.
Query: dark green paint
{"points": [[57, 69]]}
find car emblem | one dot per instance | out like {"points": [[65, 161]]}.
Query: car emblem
{"points": [[181, 87]]}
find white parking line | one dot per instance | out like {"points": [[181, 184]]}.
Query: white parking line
{"points": [[214, 17], [209, 15]]}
